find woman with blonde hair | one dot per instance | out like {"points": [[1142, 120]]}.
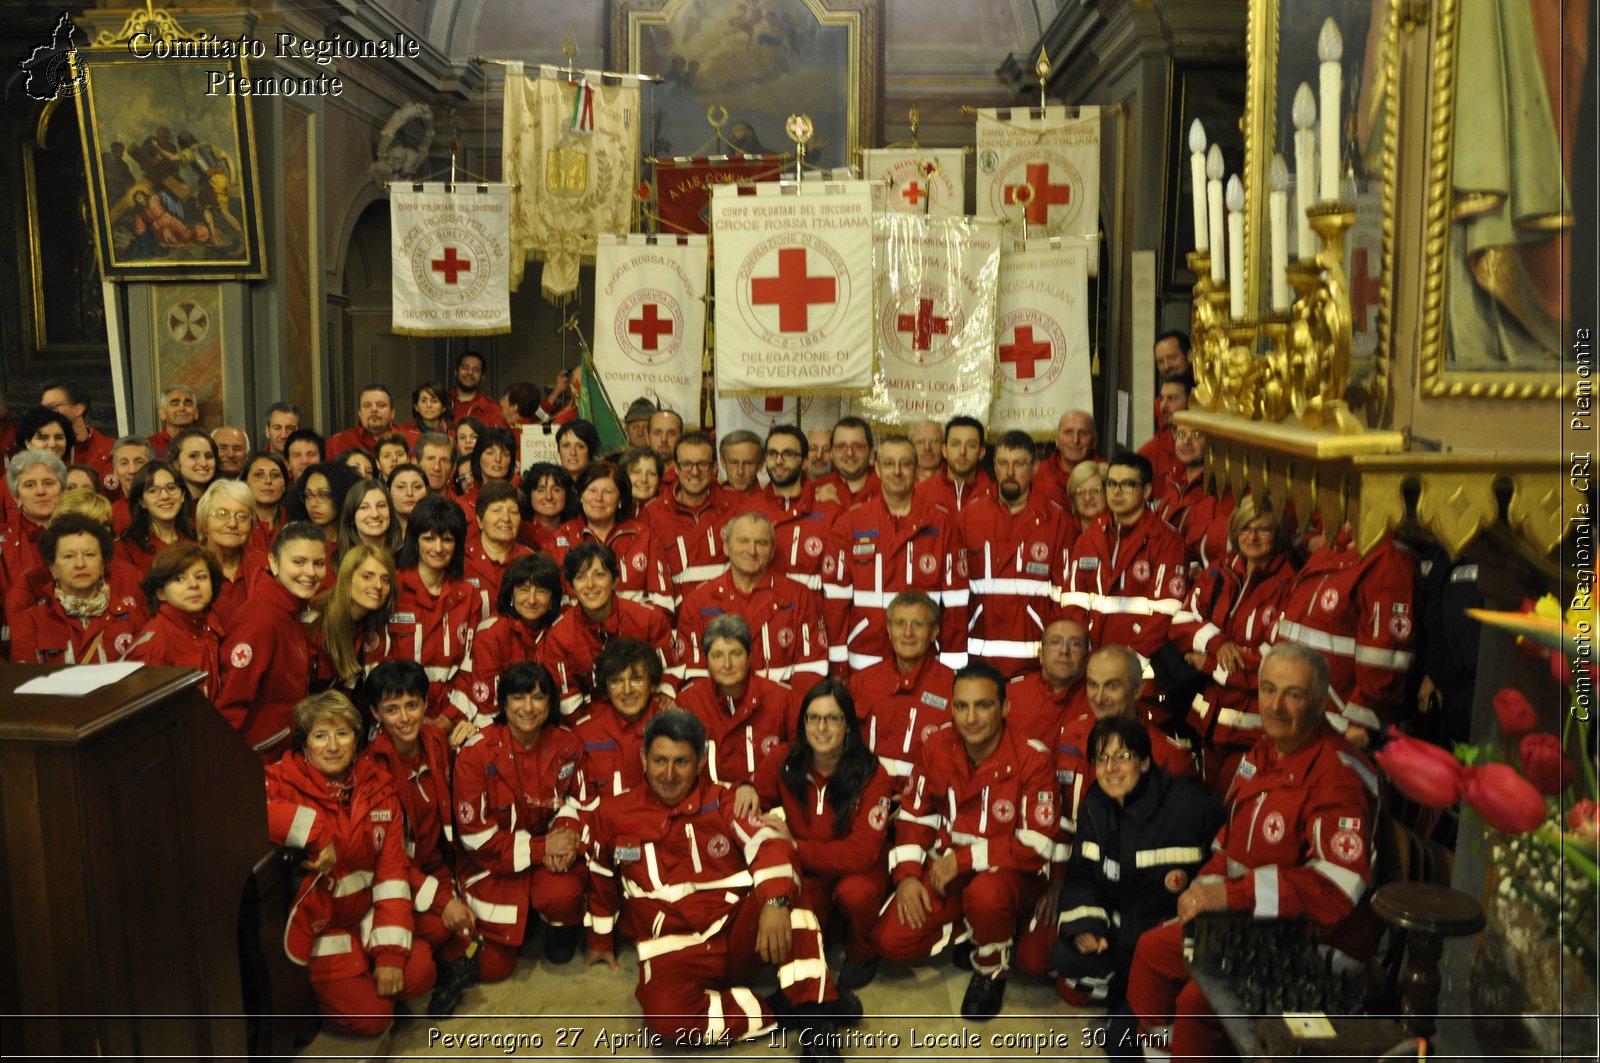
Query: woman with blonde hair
{"points": [[351, 625], [367, 516]]}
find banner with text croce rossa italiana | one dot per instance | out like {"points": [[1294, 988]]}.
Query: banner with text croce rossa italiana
{"points": [[793, 288], [450, 259], [929, 181], [936, 281], [1043, 335], [1042, 165], [650, 319]]}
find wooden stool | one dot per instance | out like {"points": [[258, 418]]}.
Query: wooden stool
{"points": [[1428, 914]]}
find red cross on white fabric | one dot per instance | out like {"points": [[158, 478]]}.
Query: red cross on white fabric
{"points": [[1025, 351], [450, 265], [1045, 194], [792, 291], [923, 326], [650, 327]]}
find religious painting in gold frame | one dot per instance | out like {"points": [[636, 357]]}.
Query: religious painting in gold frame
{"points": [[172, 168], [753, 65], [1497, 289], [1282, 48]]}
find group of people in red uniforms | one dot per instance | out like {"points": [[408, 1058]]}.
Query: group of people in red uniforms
{"points": [[1028, 709]]}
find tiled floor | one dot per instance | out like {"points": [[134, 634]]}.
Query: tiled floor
{"points": [[580, 1012]]}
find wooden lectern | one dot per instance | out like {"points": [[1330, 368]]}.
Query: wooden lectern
{"points": [[132, 827]]}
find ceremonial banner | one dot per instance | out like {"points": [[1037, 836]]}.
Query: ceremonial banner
{"points": [[683, 186], [571, 151], [794, 288], [929, 181], [650, 318], [937, 279], [761, 413], [1043, 354], [1045, 167], [451, 260]]}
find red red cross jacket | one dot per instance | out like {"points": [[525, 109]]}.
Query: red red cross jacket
{"points": [[186, 640], [1001, 813], [506, 798], [942, 490], [741, 731], [235, 592], [873, 555], [480, 406], [422, 787], [644, 576], [1050, 481], [1201, 518], [37, 587], [787, 635], [1228, 606], [870, 487], [1299, 837], [436, 630], [363, 906], [1167, 473], [690, 538], [19, 555], [1127, 583], [899, 712], [800, 528], [266, 669], [485, 569], [500, 642], [45, 634], [95, 451], [1016, 565], [612, 750], [574, 641], [812, 819], [1359, 612], [685, 868], [1038, 712], [358, 438]]}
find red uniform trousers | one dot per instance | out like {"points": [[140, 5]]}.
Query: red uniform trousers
{"points": [[1164, 999], [857, 899], [988, 905], [351, 1004], [701, 995], [557, 897]]}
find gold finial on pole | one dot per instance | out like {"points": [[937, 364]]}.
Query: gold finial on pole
{"points": [[1042, 68], [569, 48], [1022, 196], [916, 118], [799, 128]]}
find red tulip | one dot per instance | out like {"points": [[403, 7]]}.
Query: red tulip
{"points": [[1420, 770], [1516, 714], [1545, 763], [1583, 819], [1505, 800]]}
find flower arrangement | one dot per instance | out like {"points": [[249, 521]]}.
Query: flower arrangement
{"points": [[1543, 815]]}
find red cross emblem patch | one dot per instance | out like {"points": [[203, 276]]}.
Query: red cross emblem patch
{"points": [[718, 846], [242, 655], [814, 545], [927, 564], [1272, 828], [1004, 810], [1346, 846]]}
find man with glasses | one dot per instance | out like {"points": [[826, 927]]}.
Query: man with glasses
{"points": [[800, 522], [975, 833], [687, 520], [1199, 515], [891, 542], [904, 698], [853, 478], [1075, 441], [820, 464], [1045, 699], [1129, 576], [1016, 558], [785, 617], [961, 479]]}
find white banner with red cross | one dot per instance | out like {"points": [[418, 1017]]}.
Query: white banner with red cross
{"points": [[931, 181], [1043, 166], [451, 259], [937, 282], [793, 288], [761, 413], [650, 318], [1043, 350]]}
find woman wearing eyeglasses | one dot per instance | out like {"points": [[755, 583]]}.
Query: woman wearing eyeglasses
{"points": [[1141, 836], [1199, 515], [1223, 631], [157, 515], [835, 801], [1086, 486], [225, 519]]}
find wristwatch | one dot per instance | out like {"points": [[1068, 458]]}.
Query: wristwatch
{"points": [[777, 902]]}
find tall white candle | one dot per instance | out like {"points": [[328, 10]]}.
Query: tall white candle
{"points": [[1278, 224], [1330, 47], [1235, 248], [1219, 270], [1197, 177], [1305, 167]]}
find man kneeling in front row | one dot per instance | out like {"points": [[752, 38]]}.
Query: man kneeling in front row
{"points": [[708, 897]]}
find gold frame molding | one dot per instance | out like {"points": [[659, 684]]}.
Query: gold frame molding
{"points": [[1435, 380], [1370, 376]]}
